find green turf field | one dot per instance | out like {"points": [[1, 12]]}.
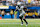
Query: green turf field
{"points": [[17, 23]]}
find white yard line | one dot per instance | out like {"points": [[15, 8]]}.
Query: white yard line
{"points": [[18, 23], [19, 19]]}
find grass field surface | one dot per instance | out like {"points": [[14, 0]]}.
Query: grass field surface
{"points": [[17, 23]]}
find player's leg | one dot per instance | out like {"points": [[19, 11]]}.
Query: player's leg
{"points": [[21, 17], [21, 20], [25, 20]]}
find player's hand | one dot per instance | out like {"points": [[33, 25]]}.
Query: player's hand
{"points": [[26, 14]]}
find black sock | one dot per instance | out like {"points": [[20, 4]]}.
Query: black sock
{"points": [[22, 21], [25, 21]]}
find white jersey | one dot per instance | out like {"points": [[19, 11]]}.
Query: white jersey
{"points": [[21, 11]]}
